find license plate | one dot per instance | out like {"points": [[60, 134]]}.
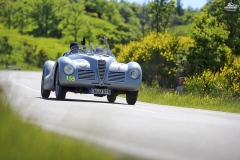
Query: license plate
{"points": [[99, 91]]}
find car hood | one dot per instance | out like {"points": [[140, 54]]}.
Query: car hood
{"points": [[87, 61]]}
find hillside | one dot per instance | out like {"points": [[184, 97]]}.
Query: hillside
{"points": [[53, 47]]}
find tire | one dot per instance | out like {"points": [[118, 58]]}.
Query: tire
{"points": [[111, 98], [131, 97], [60, 91], [44, 93]]}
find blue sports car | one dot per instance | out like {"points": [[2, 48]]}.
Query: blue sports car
{"points": [[91, 73]]}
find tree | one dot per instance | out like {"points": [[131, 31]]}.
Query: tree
{"points": [[179, 8], [7, 11], [143, 18], [43, 15], [209, 51], [21, 15], [41, 58], [74, 19], [111, 13], [5, 47], [160, 14], [29, 51], [230, 19]]}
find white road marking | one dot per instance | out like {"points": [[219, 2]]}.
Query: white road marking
{"points": [[26, 87], [178, 117]]}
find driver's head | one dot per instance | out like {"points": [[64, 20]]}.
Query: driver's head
{"points": [[74, 47], [99, 50]]}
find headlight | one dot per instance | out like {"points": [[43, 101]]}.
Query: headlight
{"points": [[134, 73], [68, 69]]}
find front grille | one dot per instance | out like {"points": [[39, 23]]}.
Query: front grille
{"points": [[86, 74], [101, 69], [116, 76]]}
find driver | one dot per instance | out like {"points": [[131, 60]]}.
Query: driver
{"points": [[73, 49]]}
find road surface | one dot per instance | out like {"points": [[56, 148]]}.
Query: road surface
{"points": [[143, 130]]}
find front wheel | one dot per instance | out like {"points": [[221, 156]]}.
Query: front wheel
{"points": [[111, 98], [131, 97], [60, 91], [44, 93]]}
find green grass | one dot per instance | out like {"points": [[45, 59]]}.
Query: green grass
{"points": [[22, 140], [180, 30], [166, 97], [51, 46]]}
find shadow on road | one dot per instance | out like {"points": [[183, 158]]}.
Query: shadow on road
{"points": [[79, 100]]}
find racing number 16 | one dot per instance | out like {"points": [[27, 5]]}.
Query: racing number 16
{"points": [[70, 78]]}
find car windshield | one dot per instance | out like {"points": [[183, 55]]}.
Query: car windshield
{"points": [[97, 50]]}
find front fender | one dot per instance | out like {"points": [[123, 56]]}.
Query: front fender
{"points": [[134, 65], [47, 72], [134, 82], [48, 66], [61, 63]]}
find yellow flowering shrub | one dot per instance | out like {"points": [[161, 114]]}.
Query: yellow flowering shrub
{"points": [[225, 82], [158, 55]]}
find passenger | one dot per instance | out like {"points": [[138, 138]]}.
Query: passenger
{"points": [[99, 49]]}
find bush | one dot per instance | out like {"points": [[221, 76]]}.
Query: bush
{"points": [[161, 56]]}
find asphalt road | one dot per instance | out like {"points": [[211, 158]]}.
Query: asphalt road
{"points": [[144, 130]]}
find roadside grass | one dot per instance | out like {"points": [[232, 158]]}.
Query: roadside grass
{"points": [[23, 140], [169, 97]]}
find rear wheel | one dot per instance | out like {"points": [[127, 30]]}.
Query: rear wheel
{"points": [[60, 91], [111, 98], [44, 93], [131, 97]]}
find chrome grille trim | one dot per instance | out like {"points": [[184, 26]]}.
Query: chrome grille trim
{"points": [[101, 69], [116, 76], [86, 74]]}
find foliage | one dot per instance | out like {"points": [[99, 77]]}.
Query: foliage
{"points": [[21, 43], [7, 12], [29, 51], [43, 16], [70, 19], [74, 20], [209, 50], [231, 20], [111, 13], [6, 50], [41, 57], [225, 83], [161, 57], [5, 47], [179, 8], [160, 11]]}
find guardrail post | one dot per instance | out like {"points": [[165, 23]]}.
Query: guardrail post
{"points": [[14, 67]]}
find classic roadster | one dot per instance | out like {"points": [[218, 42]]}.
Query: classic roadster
{"points": [[91, 73]]}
